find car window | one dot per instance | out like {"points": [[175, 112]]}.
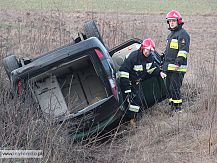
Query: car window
{"points": [[119, 56]]}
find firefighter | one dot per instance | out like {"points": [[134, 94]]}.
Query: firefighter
{"points": [[175, 58], [138, 65]]}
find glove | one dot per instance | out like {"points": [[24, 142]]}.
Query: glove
{"points": [[163, 75], [130, 97], [127, 96], [162, 54]]}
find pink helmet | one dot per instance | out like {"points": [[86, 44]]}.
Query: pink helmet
{"points": [[148, 44], [174, 15]]}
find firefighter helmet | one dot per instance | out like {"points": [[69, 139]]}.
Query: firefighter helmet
{"points": [[174, 15], [148, 44]]}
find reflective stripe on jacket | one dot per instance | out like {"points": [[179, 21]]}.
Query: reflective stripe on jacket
{"points": [[177, 50]]}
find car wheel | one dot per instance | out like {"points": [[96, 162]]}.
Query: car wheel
{"points": [[10, 63], [91, 30]]}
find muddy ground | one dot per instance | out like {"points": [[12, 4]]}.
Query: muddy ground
{"points": [[187, 137]]}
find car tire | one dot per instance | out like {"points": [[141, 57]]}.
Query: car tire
{"points": [[10, 63], [91, 30]]}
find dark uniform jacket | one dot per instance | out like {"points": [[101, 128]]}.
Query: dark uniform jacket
{"points": [[177, 50], [135, 68]]}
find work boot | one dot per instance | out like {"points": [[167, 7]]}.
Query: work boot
{"points": [[133, 123], [170, 101], [172, 108], [178, 109], [170, 111]]}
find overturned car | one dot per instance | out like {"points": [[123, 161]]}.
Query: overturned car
{"points": [[77, 83]]}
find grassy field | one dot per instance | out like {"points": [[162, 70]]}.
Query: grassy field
{"points": [[29, 28], [133, 6]]}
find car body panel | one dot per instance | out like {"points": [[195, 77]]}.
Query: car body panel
{"points": [[87, 66]]}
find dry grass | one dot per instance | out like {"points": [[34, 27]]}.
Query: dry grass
{"points": [[187, 137]]}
